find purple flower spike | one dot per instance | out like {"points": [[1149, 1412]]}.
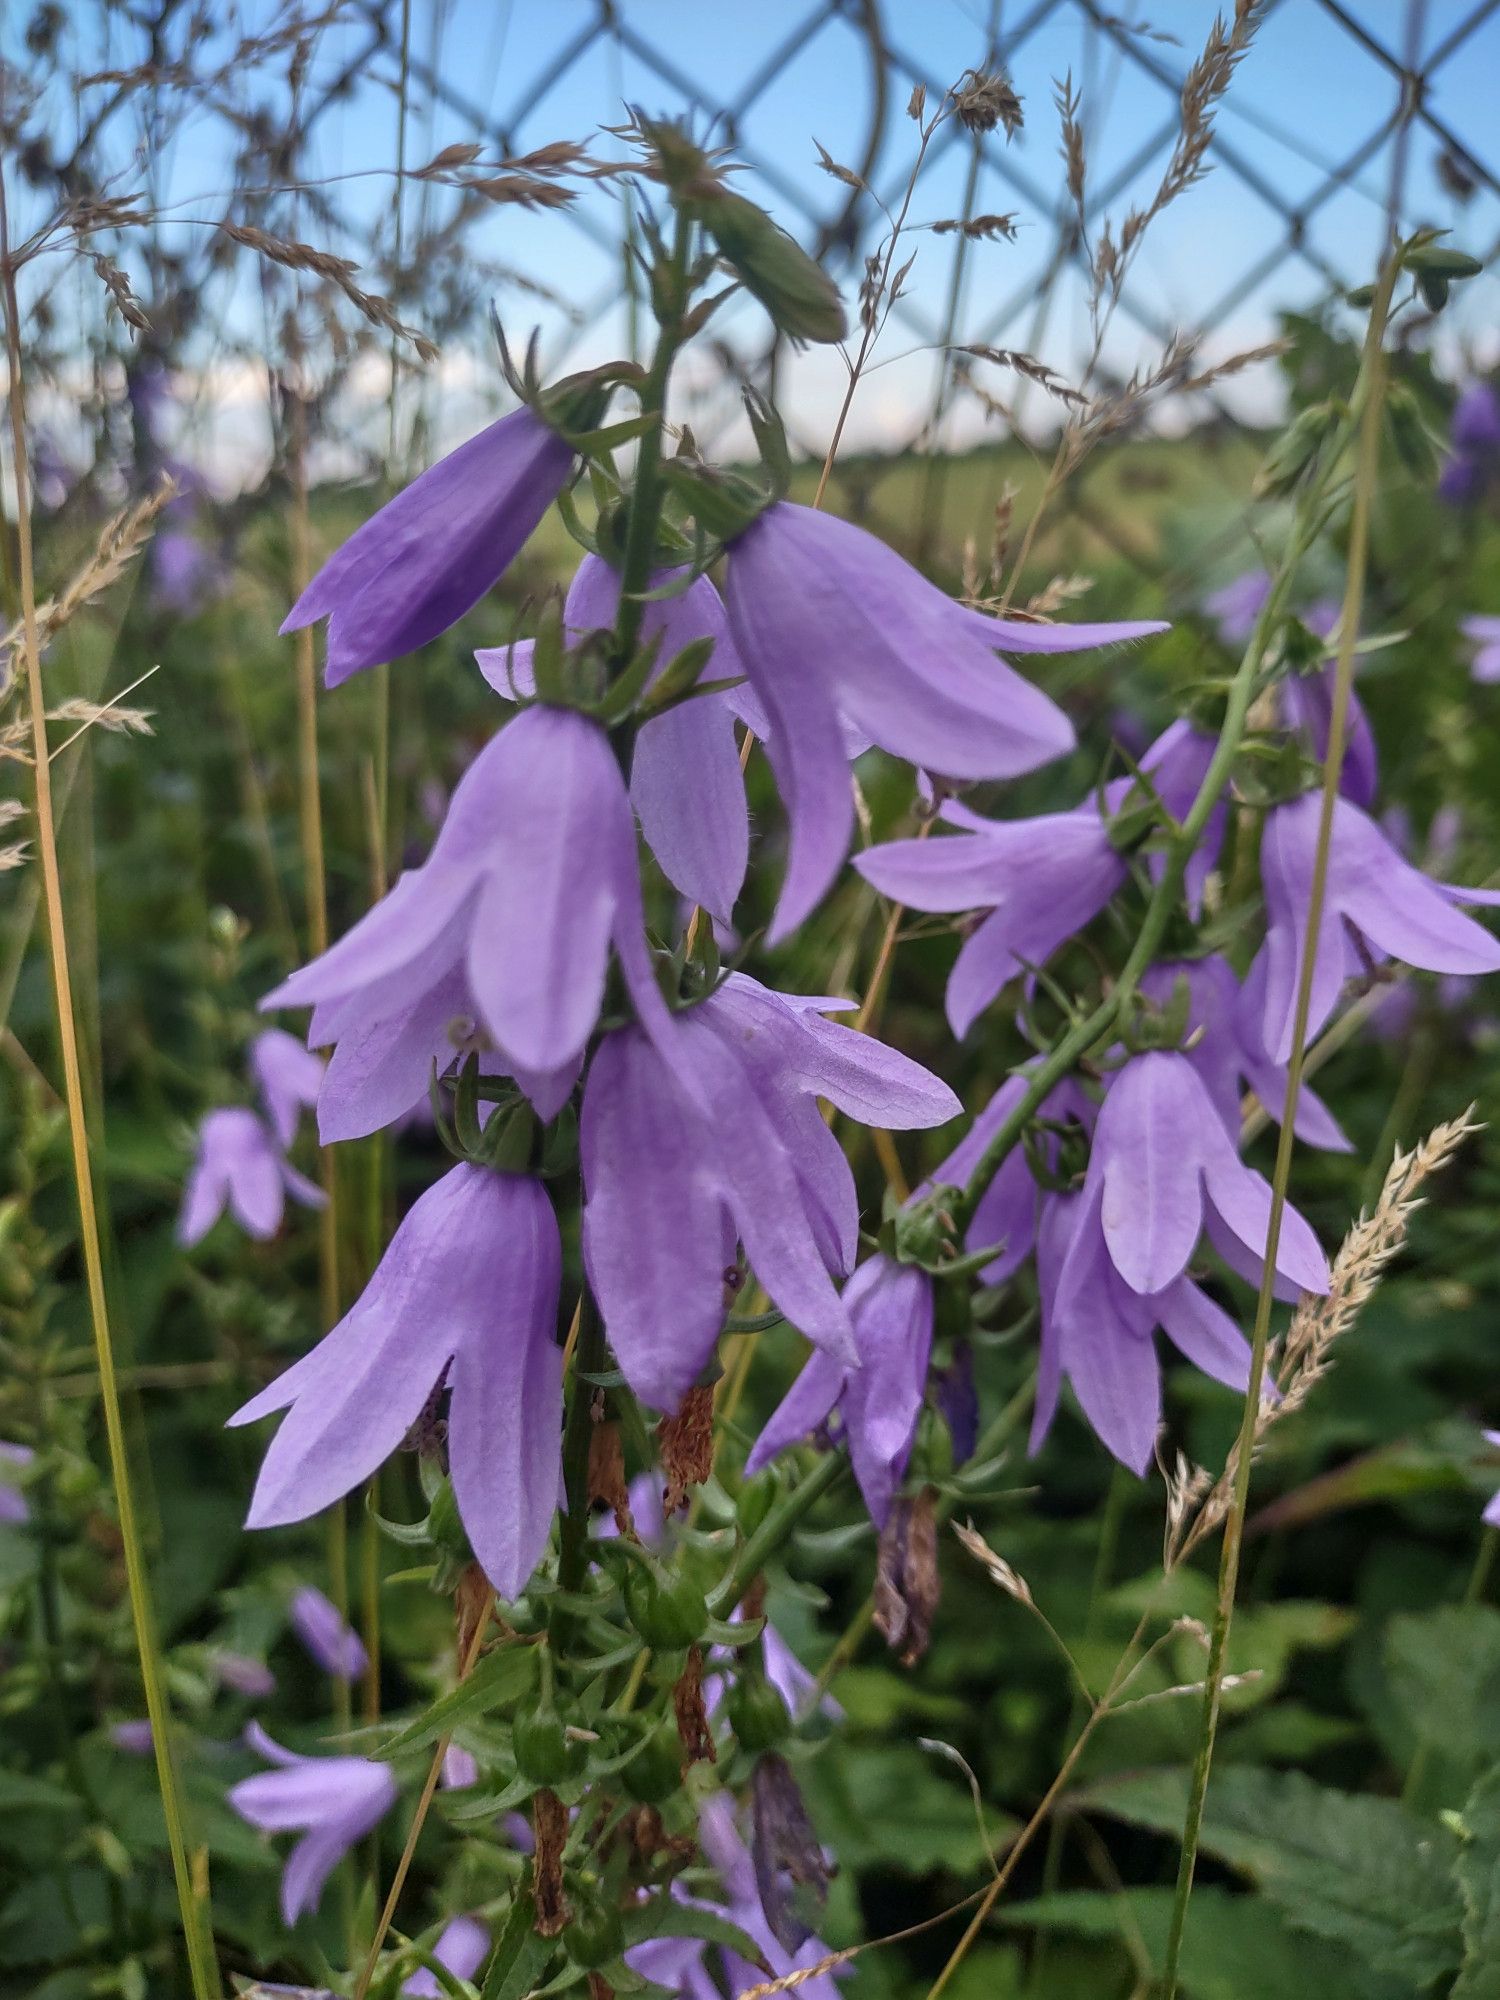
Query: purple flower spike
{"points": [[835, 628], [719, 1140], [332, 1801], [466, 1290], [1162, 1163], [239, 1166], [288, 1077], [1391, 908], [531, 881], [15, 1509], [685, 779], [1483, 634], [460, 1950], [1099, 1332], [429, 555], [328, 1636], [880, 1398]]}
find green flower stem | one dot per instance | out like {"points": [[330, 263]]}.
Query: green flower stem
{"points": [[775, 1529], [1367, 410]]}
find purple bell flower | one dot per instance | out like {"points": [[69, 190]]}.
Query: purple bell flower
{"points": [[460, 1950], [135, 1737], [1483, 634], [429, 555], [332, 1801], [879, 1398], [1162, 1165], [325, 1632], [466, 1294], [720, 1839], [1235, 608], [239, 1166], [531, 881], [1492, 1510], [717, 1138], [1041, 880], [685, 779], [835, 629], [288, 1077], [460, 1768], [1476, 421], [243, 1675], [1374, 900], [1099, 1332], [1223, 1028], [1306, 702], [15, 1509]]}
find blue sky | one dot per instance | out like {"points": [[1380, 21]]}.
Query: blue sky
{"points": [[1306, 99]]}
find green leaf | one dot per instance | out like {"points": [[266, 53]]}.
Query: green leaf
{"points": [[495, 1683], [520, 1955], [1442, 1683], [1479, 1884], [1361, 1872]]}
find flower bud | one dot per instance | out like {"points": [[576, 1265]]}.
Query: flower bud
{"points": [[1294, 451], [801, 298], [543, 1751], [654, 1773], [757, 1713], [669, 1611]]}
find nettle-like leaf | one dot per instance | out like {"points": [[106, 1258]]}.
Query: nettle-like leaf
{"points": [[1479, 1883], [1362, 1872], [1439, 1694]]}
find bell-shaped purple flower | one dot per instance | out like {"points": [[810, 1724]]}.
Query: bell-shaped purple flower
{"points": [[1235, 608], [1041, 880], [835, 628], [288, 1077], [239, 1166], [1374, 901], [716, 1138], [332, 1801], [723, 1846], [15, 1509], [460, 1950], [1225, 1048], [1476, 420], [328, 1636], [685, 779], [242, 1675], [429, 555], [1306, 702], [1100, 1333], [879, 1398], [1162, 1165], [1483, 635], [1492, 1509], [135, 1737], [531, 881], [466, 1294]]}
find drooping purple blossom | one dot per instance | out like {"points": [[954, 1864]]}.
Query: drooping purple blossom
{"points": [[685, 779], [332, 1801], [243, 1675], [1235, 608], [288, 1077], [1475, 436], [328, 1636], [15, 1509], [1040, 880], [466, 1294], [428, 556], [834, 628], [879, 1397], [715, 1138], [531, 882], [1492, 1508], [1162, 1167], [1483, 635], [1223, 1044], [1306, 703], [1375, 905], [460, 1950], [239, 1166]]}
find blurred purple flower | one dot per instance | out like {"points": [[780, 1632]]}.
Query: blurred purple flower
{"points": [[531, 881], [460, 1950], [1492, 1510], [685, 779], [834, 629], [135, 1737], [239, 1166], [1376, 903], [1235, 608], [288, 1077], [1040, 880], [52, 478], [1475, 435], [1483, 634], [1306, 702], [428, 556], [879, 1397], [185, 572], [323, 1630], [466, 1294], [14, 1507], [718, 1138], [460, 1769], [243, 1675], [333, 1801]]}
